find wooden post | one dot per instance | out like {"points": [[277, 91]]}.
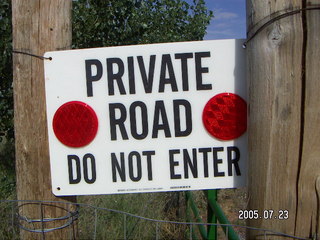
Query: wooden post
{"points": [[38, 26], [284, 117]]}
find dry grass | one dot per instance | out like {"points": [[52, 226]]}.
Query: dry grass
{"points": [[162, 206], [231, 201]]}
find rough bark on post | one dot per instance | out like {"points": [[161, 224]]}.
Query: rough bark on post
{"points": [[38, 26], [284, 116]]}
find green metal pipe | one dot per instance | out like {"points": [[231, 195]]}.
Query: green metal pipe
{"points": [[188, 215], [212, 195], [228, 230], [195, 211]]}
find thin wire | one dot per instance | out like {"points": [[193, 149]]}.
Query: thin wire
{"points": [[137, 222], [157, 231], [125, 214], [72, 227], [95, 224], [227, 233], [12, 219], [71, 232], [71, 217], [272, 20], [124, 227], [42, 222], [32, 55]]}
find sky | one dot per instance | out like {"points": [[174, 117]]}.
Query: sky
{"points": [[229, 21]]}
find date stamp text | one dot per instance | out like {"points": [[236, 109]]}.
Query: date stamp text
{"points": [[265, 214]]}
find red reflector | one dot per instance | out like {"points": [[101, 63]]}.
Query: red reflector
{"points": [[225, 116], [75, 124]]}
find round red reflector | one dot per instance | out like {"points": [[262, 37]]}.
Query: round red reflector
{"points": [[75, 124], [225, 116]]}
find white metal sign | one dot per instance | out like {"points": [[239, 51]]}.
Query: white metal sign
{"points": [[147, 118]]}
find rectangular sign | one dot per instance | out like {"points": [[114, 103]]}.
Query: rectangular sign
{"points": [[147, 118]]}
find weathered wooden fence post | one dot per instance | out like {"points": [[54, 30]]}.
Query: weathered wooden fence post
{"points": [[284, 116], [38, 26]]}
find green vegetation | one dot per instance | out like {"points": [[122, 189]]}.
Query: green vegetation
{"points": [[116, 225], [101, 23], [150, 205], [98, 23], [6, 102], [7, 178]]}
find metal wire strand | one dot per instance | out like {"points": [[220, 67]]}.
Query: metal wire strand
{"points": [[70, 217], [272, 20], [32, 55], [157, 231], [95, 223], [124, 226], [73, 216]]}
